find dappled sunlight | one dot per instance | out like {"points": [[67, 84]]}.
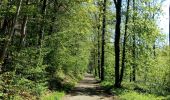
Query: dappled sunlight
{"points": [[88, 89]]}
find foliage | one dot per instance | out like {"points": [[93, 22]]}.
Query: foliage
{"points": [[130, 92], [52, 53], [130, 95], [53, 96], [48, 45]]}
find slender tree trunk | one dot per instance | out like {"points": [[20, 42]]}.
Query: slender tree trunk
{"points": [[43, 12], [103, 39], [134, 47], [117, 40], [154, 45], [99, 50], [9, 36], [124, 43], [23, 29], [98, 44], [94, 67]]}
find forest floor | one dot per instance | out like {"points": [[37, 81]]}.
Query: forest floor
{"points": [[88, 89]]}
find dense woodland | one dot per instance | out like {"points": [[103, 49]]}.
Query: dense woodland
{"points": [[48, 45]]}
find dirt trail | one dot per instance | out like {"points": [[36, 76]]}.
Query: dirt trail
{"points": [[88, 89]]}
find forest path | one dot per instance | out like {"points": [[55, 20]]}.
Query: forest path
{"points": [[88, 89]]}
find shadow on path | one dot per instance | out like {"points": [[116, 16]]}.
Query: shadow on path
{"points": [[88, 89]]}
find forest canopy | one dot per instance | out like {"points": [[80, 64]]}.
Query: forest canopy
{"points": [[48, 45]]}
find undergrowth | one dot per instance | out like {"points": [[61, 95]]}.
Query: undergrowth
{"points": [[133, 92], [54, 88], [53, 96]]}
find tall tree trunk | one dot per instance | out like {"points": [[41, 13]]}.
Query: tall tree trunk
{"points": [[117, 40], [103, 39], [99, 42], [99, 50], [9, 36], [134, 46], [124, 43]]}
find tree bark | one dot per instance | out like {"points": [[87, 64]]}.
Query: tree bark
{"points": [[134, 46], [94, 67], [103, 39], [117, 40], [99, 51], [124, 43]]}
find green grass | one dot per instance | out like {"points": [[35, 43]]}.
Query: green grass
{"points": [[133, 95], [128, 93], [53, 96]]}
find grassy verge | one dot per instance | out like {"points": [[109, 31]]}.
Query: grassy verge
{"points": [[64, 84], [53, 96], [128, 93], [25, 89], [125, 94]]}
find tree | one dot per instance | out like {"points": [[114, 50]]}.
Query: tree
{"points": [[124, 43], [103, 39], [134, 46], [9, 36], [23, 28], [98, 44], [118, 4]]}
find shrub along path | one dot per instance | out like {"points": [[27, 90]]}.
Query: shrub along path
{"points": [[88, 89]]}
